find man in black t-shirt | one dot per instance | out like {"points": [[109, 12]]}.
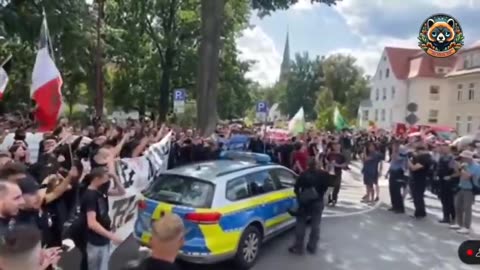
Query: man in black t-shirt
{"points": [[95, 208]]}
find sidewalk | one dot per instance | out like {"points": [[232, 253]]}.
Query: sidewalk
{"points": [[433, 204]]}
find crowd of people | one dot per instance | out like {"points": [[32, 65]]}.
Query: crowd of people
{"points": [[62, 196]]}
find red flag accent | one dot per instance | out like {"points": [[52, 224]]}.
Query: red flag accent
{"points": [[46, 85]]}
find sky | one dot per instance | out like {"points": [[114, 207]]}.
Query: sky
{"points": [[361, 28]]}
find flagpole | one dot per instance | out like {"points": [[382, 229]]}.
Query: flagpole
{"points": [[6, 60], [47, 33]]}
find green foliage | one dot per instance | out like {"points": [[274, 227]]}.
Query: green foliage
{"points": [[150, 48], [71, 28], [317, 85]]}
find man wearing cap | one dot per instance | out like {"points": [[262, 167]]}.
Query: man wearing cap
{"points": [[469, 178], [31, 212]]}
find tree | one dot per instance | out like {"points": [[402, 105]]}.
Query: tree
{"points": [[162, 37], [70, 26], [303, 84], [213, 18], [346, 81]]}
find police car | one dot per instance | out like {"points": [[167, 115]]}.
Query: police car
{"points": [[229, 206]]}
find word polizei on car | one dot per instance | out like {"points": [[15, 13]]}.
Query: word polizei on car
{"points": [[229, 206]]}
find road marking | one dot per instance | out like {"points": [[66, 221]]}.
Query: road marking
{"points": [[376, 206]]}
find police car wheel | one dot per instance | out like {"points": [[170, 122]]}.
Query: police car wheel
{"points": [[248, 248]]}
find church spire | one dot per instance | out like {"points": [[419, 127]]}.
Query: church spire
{"points": [[285, 68]]}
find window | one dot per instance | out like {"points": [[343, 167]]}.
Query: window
{"points": [[377, 94], [384, 58], [391, 115], [376, 115], [237, 189], [261, 183], [459, 95], [471, 92], [458, 123], [469, 124], [382, 115], [181, 190], [286, 178], [393, 92], [365, 115], [387, 73], [460, 86], [433, 116], [380, 75], [384, 93], [434, 92]]}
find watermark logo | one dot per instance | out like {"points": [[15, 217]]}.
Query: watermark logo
{"points": [[440, 36]]}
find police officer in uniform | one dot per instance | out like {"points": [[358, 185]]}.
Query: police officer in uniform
{"points": [[447, 172]]}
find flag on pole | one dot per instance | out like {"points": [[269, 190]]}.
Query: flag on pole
{"points": [[297, 123], [338, 120], [46, 84], [4, 68]]}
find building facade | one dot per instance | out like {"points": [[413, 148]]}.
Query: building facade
{"points": [[446, 90]]}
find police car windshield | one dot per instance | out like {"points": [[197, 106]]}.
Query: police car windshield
{"points": [[181, 190]]}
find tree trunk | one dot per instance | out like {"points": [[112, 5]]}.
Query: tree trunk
{"points": [[99, 62], [212, 15], [165, 84]]}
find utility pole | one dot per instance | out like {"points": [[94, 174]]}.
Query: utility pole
{"points": [[99, 92]]}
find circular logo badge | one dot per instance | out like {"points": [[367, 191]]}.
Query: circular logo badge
{"points": [[440, 36]]}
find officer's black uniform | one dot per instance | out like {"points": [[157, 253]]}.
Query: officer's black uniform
{"points": [[447, 186]]}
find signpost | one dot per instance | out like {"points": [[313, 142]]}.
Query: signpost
{"points": [[262, 111], [262, 114], [179, 97], [412, 119]]}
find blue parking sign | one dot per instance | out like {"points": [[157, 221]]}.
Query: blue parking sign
{"points": [[179, 95], [262, 107]]}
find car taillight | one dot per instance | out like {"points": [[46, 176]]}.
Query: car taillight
{"points": [[142, 205], [204, 218]]}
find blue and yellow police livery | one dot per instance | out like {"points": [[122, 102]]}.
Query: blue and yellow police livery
{"points": [[229, 206]]}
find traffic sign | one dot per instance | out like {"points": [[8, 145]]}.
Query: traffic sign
{"points": [[411, 119], [412, 107], [262, 110], [262, 107], [179, 97]]}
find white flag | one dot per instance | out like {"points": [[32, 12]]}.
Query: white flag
{"points": [[297, 123]]}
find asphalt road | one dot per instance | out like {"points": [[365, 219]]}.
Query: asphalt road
{"points": [[374, 240], [353, 236]]}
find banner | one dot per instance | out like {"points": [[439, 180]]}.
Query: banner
{"points": [[277, 134], [136, 174]]}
